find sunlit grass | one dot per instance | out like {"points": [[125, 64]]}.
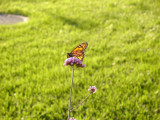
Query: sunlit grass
{"points": [[122, 59]]}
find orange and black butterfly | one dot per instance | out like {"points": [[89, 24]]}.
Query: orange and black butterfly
{"points": [[78, 52]]}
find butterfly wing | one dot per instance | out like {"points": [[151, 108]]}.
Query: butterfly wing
{"points": [[80, 47], [78, 52]]}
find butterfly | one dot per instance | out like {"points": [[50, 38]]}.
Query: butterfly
{"points": [[78, 52]]}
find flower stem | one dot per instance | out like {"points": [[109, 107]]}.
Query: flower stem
{"points": [[80, 103], [70, 93]]}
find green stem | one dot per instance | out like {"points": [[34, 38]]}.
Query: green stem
{"points": [[80, 103], [70, 94]]}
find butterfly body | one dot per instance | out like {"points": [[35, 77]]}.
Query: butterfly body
{"points": [[78, 52]]}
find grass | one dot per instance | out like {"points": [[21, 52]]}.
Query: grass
{"points": [[122, 59]]}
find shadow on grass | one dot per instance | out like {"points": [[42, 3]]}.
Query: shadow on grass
{"points": [[77, 22]]}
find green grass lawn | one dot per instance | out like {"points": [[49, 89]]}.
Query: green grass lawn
{"points": [[122, 59]]}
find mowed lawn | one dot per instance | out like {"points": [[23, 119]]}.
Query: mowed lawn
{"points": [[122, 60]]}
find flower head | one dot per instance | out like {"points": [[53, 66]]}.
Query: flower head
{"points": [[74, 61], [93, 89], [72, 118]]}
